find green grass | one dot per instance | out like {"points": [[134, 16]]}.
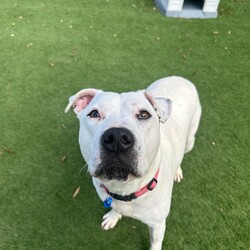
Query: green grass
{"points": [[51, 49]]}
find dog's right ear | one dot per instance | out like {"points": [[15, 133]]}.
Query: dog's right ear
{"points": [[161, 105], [81, 99]]}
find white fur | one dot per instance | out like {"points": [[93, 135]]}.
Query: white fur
{"points": [[159, 143]]}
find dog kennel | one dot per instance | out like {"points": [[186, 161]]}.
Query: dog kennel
{"points": [[189, 8]]}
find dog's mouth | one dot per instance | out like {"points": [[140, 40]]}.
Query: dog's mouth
{"points": [[112, 168], [118, 157]]}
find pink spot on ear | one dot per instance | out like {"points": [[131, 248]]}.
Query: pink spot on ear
{"points": [[82, 102], [151, 99]]}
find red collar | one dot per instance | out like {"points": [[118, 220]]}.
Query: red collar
{"points": [[149, 187]]}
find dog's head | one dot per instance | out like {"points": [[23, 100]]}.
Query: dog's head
{"points": [[119, 133]]}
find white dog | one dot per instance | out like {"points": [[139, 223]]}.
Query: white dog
{"points": [[134, 144]]}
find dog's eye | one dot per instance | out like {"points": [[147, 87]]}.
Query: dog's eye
{"points": [[94, 114], [143, 115]]}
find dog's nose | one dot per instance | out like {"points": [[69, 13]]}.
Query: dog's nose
{"points": [[117, 140]]}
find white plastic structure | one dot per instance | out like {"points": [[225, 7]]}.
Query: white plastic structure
{"points": [[189, 8]]}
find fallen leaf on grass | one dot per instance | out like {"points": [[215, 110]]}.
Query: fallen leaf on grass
{"points": [[195, 73], [1, 152], [29, 45], [63, 158], [77, 190], [8, 150]]}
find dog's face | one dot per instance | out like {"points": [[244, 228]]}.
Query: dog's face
{"points": [[119, 133]]}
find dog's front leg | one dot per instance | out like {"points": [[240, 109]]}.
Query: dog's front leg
{"points": [[110, 219], [156, 235]]}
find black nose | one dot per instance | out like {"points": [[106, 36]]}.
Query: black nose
{"points": [[117, 140]]}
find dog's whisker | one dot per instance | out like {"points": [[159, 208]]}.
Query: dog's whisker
{"points": [[85, 166]]}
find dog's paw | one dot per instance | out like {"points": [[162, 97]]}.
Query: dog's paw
{"points": [[110, 219], [178, 175]]}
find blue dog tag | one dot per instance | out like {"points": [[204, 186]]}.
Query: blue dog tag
{"points": [[107, 202]]}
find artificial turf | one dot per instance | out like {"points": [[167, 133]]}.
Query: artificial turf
{"points": [[51, 49]]}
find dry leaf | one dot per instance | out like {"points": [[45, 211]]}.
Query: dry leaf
{"points": [[76, 192], [8, 150], [1, 152], [63, 126], [63, 158]]}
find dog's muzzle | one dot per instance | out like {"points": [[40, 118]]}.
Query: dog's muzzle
{"points": [[118, 156]]}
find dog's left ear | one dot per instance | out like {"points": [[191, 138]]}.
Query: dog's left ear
{"points": [[81, 99], [161, 105]]}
